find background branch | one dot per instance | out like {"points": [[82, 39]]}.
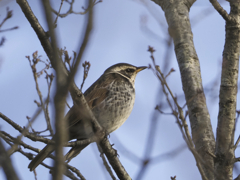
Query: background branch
{"points": [[6, 164]]}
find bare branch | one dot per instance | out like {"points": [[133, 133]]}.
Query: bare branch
{"points": [[155, 115], [169, 155], [237, 159], [86, 65], [23, 131], [237, 142], [55, 22], [178, 115], [9, 29], [8, 16], [83, 45], [221, 11], [10, 140], [113, 160], [70, 10], [6, 163], [108, 168], [125, 151], [36, 74], [33, 137], [61, 135]]}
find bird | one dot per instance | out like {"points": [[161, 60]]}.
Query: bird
{"points": [[111, 98]]}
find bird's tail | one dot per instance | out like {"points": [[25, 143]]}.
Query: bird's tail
{"points": [[41, 156], [74, 152]]}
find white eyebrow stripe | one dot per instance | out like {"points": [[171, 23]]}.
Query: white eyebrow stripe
{"points": [[123, 76]]}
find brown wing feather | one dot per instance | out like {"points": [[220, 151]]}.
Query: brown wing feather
{"points": [[94, 95], [73, 116]]}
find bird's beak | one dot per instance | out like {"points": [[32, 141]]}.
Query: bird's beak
{"points": [[140, 68]]}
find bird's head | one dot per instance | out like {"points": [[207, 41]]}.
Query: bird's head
{"points": [[126, 70]]}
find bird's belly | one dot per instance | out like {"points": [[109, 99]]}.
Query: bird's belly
{"points": [[115, 109]]}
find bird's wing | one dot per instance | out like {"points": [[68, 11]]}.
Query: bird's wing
{"points": [[94, 95], [73, 117], [93, 99]]}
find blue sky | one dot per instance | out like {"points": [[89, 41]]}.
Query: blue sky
{"points": [[118, 36]]}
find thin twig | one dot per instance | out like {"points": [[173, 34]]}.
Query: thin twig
{"points": [[178, 115], [33, 137], [61, 135], [9, 29], [237, 142], [154, 119], [36, 74], [70, 10], [169, 155], [86, 65], [237, 159], [125, 151], [8, 138], [108, 168], [24, 130], [50, 77], [55, 22], [211, 154], [8, 16], [83, 45]]}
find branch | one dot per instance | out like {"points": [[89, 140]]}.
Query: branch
{"points": [[61, 135], [83, 45], [221, 11], [237, 142], [23, 131], [9, 29], [154, 119], [228, 96], [8, 16], [108, 168], [86, 65], [113, 160], [70, 10], [6, 164], [178, 115], [10, 140], [58, 13], [33, 137], [36, 74]]}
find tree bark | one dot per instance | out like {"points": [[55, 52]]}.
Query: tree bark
{"points": [[228, 94], [177, 16]]}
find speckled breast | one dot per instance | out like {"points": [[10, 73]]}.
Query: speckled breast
{"points": [[116, 108]]}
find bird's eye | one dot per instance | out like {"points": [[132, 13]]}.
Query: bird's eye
{"points": [[129, 70]]}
